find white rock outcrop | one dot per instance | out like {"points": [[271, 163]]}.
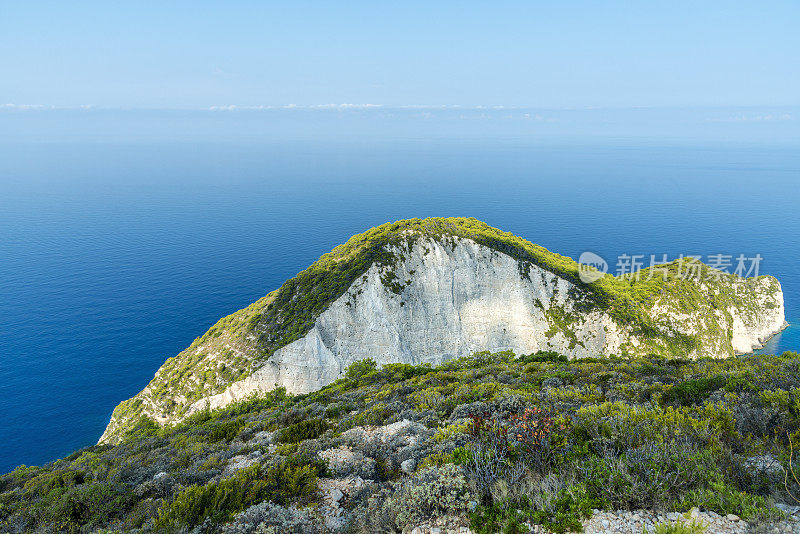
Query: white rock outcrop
{"points": [[751, 331]]}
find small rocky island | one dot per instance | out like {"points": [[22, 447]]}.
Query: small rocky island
{"points": [[441, 375]]}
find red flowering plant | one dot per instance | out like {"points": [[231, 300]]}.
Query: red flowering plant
{"points": [[532, 440], [539, 438], [484, 428]]}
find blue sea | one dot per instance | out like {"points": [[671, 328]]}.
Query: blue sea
{"points": [[126, 234]]}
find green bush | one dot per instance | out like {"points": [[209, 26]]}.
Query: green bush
{"points": [[308, 429], [694, 391], [44, 483], [219, 501], [569, 507], [649, 477], [498, 518], [563, 512], [431, 491], [144, 427], [226, 431], [721, 497], [679, 527], [75, 507], [361, 369], [543, 356]]}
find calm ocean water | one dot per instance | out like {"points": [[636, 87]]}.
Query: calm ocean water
{"points": [[116, 252]]}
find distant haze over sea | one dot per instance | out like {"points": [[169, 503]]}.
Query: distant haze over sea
{"points": [[126, 234], [777, 125]]}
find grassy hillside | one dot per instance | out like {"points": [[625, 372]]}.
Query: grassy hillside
{"points": [[498, 439]]}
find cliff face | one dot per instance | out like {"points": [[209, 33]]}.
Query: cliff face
{"points": [[754, 327], [454, 300], [443, 297]]}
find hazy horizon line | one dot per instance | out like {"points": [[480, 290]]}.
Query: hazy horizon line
{"points": [[370, 106]]}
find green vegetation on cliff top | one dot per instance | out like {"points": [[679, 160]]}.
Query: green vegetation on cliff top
{"points": [[294, 307]]}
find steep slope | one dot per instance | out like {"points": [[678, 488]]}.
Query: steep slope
{"points": [[425, 291]]}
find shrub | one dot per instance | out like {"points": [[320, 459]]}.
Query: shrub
{"points": [[144, 427], [554, 502], [540, 438], [384, 471], [543, 356], [270, 518], [290, 416], [218, 501], [361, 368], [534, 440], [558, 501], [755, 417], [679, 527], [431, 491], [615, 427], [73, 508], [723, 498], [694, 391], [308, 429], [396, 372], [43, 484], [497, 518], [447, 432], [226, 431], [489, 458], [566, 510], [650, 476]]}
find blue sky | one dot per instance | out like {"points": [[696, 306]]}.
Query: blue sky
{"points": [[518, 54]]}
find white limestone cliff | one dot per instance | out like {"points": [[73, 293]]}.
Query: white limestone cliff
{"points": [[751, 331]]}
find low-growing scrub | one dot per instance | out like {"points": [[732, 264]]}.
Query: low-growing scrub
{"points": [[281, 484], [431, 491], [679, 527], [500, 441], [309, 429]]}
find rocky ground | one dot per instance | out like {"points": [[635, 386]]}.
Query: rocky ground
{"points": [[636, 522], [337, 491]]}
